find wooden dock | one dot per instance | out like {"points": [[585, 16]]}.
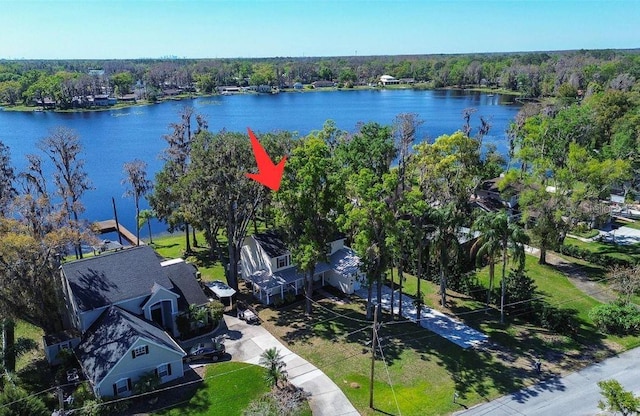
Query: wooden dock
{"points": [[109, 226]]}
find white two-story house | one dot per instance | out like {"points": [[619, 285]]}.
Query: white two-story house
{"points": [[266, 265], [122, 307]]}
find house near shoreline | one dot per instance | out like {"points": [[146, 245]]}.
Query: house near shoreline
{"points": [[267, 268], [323, 84], [121, 317], [388, 80]]}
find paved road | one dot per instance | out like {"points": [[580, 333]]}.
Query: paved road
{"points": [[575, 394], [247, 342], [431, 319]]}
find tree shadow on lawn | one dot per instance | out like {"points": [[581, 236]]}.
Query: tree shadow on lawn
{"points": [[582, 271], [632, 250], [205, 258], [329, 321], [505, 366], [471, 370]]}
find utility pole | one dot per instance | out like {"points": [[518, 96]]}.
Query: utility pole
{"points": [[61, 401], [374, 338]]}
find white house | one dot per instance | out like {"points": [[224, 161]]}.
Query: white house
{"points": [[266, 265], [388, 80], [117, 302]]}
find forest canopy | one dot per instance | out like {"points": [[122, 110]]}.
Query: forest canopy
{"points": [[565, 74]]}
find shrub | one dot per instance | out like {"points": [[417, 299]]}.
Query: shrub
{"points": [[15, 401], [591, 257], [555, 319], [184, 324], [290, 297], [519, 286], [471, 286], [146, 383], [616, 318], [216, 309]]}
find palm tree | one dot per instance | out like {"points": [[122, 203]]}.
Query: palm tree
{"points": [[136, 178], [445, 242], [276, 372], [145, 216], [489, 244], [514, 239], [424, 226]]}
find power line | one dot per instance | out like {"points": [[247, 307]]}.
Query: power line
{"points": [[388, 374]]}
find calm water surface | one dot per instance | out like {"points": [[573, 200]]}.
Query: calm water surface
{"points": [[111, 138]]}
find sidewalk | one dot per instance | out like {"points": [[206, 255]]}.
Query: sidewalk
{"points": [[431, 319], [247, 342]]}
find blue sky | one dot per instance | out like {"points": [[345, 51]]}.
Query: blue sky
{"points": [[253, 28]]}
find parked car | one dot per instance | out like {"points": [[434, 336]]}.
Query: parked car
{"points": [[211, 351]]}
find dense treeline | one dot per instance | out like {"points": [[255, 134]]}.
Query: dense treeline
{"points": [[533, 75]]}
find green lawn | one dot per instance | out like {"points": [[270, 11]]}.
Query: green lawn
{"points": [[634, 224], [420, 370], [26, 330], [625, 252], [228, 389], [417, 375], [172, 246]]}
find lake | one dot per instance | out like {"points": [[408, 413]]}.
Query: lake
{"points": [[111, 138]]}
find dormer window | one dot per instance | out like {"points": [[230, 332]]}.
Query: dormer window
{"points": [[283, 261]]}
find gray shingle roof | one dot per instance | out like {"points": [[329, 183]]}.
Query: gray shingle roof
{"points": [[183, 277], [113, 277], [271, 243], [111, 337], [345, 261]]}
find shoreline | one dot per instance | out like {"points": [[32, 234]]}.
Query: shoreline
{"points": [[143, 103]]}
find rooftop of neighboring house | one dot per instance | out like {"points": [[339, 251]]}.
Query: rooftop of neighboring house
{"points": [[111, 336], [271, 242]]}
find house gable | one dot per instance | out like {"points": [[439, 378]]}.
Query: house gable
{"points": [[112, 337], [159, 294], [142, 357]]}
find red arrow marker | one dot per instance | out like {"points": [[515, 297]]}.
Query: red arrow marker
{"points": [[269, 174]]}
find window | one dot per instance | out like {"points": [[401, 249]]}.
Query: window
{"points": [[283, 261], [163, 370], [140, 350], [64, 346], [122, 386]]}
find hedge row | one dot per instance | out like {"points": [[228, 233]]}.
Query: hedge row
{"points": [[595, 258]]}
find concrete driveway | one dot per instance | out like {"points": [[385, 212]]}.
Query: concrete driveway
{"points": [[247, 342], [622, 235]]}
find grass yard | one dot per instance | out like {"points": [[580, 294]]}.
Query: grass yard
{"points": [[172, 246], [418, 373], [228, 389], [626, 252], [26, 330]]}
